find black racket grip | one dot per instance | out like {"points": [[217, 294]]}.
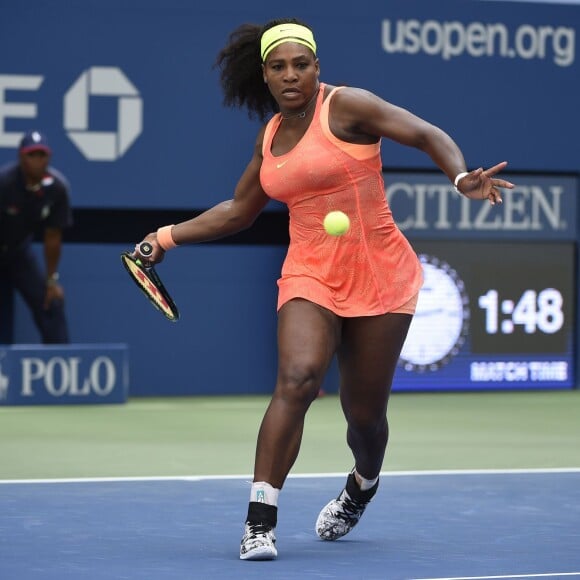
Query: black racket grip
{"points": [[145, 249]]}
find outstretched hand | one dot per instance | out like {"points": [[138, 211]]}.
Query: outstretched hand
{"points": [[481, 184]]}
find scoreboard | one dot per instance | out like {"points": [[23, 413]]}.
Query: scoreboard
{"points": [[492, 315]]}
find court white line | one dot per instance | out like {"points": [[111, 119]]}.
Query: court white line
{"points": [[249, 477], [552, 575]]}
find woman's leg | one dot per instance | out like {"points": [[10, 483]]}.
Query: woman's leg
{"points": [[308, 336], [367, 358]]}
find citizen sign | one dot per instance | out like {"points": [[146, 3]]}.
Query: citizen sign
{"points": [[62, 376], [425, 208]]}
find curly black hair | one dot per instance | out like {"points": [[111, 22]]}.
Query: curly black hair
{"points": [[240, 68]]}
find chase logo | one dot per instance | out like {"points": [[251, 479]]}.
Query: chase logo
{"points": [[97, 82], [111, 82]]}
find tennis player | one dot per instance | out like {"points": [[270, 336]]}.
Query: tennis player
{"points": [[353, 295]]}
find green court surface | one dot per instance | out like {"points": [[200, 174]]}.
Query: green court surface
{"points": [[216, 435]]}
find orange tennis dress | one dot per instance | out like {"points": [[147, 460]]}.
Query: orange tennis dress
{"points": [[370, 270]]}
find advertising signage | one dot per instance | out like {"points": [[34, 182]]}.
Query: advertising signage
{"points": [[540, 207]]}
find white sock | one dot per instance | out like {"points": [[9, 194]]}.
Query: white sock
{"points": [[365, 484], [263, 492]]}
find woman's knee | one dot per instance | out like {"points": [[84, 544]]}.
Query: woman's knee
{"points": [[367, 422], [299, 383]]}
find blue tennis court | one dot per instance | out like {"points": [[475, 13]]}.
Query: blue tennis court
{"points": [[477, 524]]}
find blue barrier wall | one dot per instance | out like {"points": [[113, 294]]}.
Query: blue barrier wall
{"points": [[133, 110], [225, 339]]}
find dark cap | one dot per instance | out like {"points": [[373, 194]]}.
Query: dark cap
{"points": [[34, 141]]}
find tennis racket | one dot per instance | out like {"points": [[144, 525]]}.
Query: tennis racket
{"points": [[147, 279]]}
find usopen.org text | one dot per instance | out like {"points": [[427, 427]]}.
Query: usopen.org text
{"points": [[478, 39]]}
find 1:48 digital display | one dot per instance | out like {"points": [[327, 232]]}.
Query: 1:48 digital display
{"points": [[522, 298], [533, 311]]}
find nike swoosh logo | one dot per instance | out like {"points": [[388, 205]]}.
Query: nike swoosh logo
{"points": [[281, 164]]}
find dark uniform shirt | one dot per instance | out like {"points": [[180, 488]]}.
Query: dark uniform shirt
{"points": [[23, 212]]}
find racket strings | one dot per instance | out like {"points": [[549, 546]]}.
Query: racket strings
{"points": [[148, 286]]}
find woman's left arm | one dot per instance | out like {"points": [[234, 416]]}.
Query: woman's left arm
{"points": [[360, 113]]}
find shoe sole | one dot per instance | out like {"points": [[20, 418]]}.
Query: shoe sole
{"points": [[260, 554]]}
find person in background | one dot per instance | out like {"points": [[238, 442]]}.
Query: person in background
{"points": [[34, 200], [353, 295]]}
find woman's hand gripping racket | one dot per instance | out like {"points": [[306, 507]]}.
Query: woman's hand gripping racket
{"points": [[147, 279]]}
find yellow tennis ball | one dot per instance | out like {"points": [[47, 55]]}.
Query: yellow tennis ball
{"points": [[336, 223]]}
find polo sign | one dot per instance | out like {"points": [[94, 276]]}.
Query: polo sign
{"points": [[58, 374]]}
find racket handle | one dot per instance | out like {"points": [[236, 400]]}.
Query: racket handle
{"points": [[145, 249]]}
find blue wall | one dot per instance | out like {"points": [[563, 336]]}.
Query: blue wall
{"points": [[167, 142], [225, 339]]}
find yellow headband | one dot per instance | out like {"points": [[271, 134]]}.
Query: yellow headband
{"points": [[276, 35]]}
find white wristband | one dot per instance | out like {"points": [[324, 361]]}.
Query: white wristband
{"points": [[459, 177]]}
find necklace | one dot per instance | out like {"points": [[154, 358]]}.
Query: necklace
{"points": [[302, 114]]}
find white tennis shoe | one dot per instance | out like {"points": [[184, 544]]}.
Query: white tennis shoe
{"points": [[258, 543], [342, 514]]}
